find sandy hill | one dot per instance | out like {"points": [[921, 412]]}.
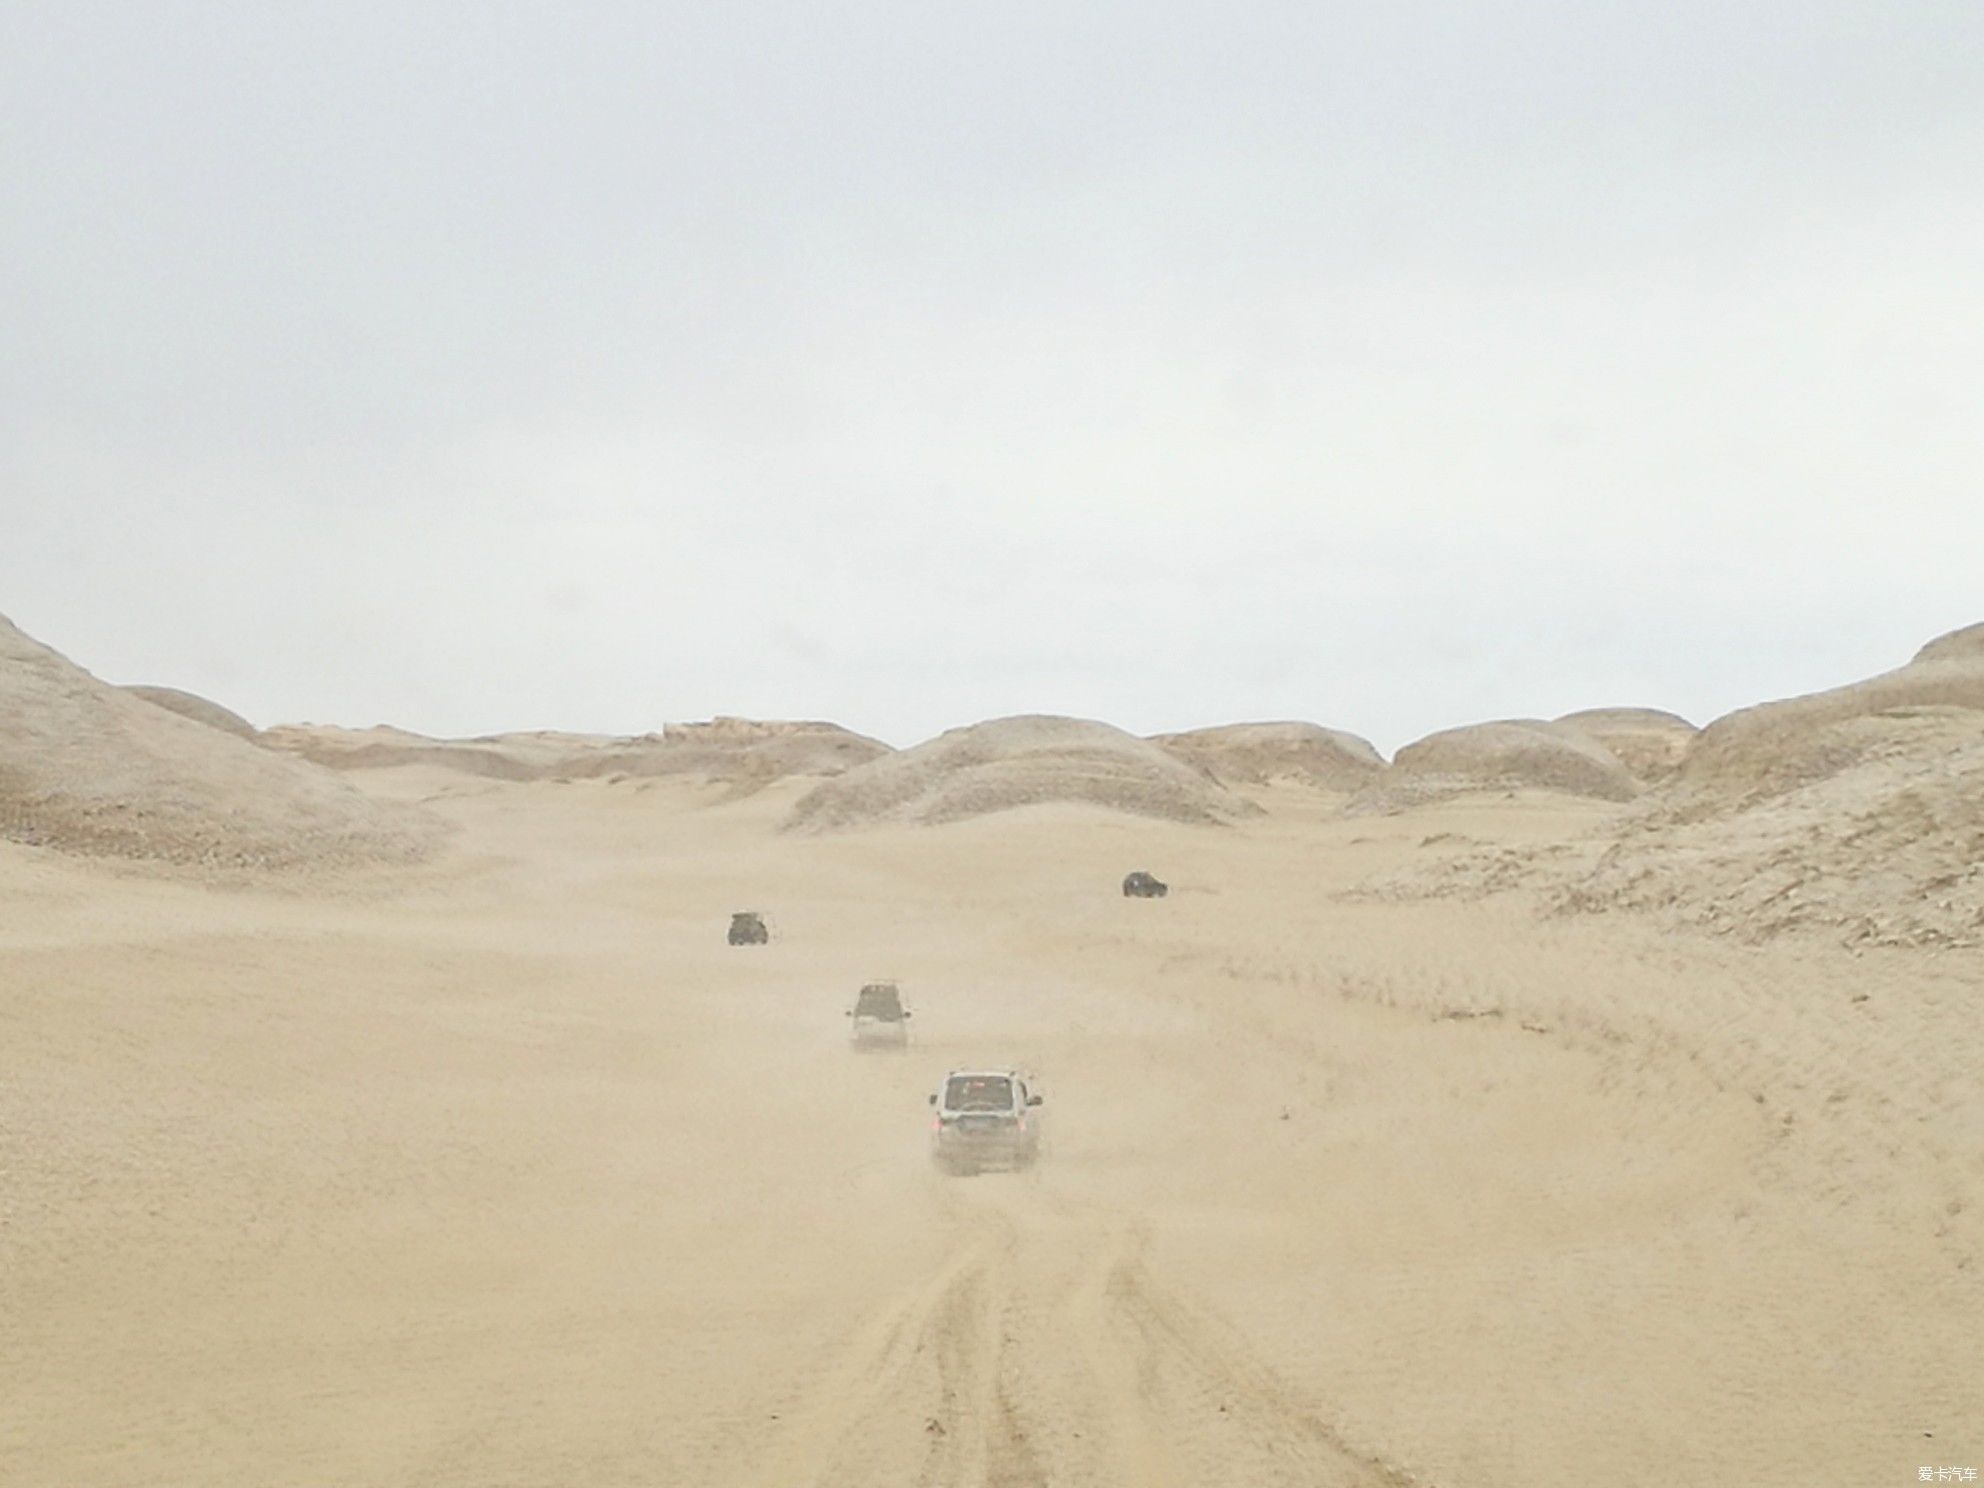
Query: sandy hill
{"points": [[1966, 644], [1512, 754], [517, 757], [1886, 847], [88, 767], [746, 753], [1011, 762], [1856, 814], [1649, 742], [1858, 811], [1258, 753], [1765, 751], [199, 709]]}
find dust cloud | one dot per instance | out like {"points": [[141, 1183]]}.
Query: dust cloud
{"points": [[1441, 1138]]}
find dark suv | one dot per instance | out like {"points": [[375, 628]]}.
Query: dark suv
{"points": [[879, 1018]]}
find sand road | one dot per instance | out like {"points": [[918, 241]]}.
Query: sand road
{"points": [[508, 1171]]}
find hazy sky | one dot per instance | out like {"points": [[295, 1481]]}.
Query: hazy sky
{"points": [[1392, 365]]}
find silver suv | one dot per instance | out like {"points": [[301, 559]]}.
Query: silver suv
{"points": [[984, 1118]]}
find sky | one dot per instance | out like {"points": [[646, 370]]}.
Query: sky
{"points": [[598, 365]]}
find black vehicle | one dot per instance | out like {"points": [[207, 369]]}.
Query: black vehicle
{"points": [[878, 1017], [748, 928], [1141, 885]]}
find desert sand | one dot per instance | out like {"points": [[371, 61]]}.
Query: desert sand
{"points": [[1445, 1140]]}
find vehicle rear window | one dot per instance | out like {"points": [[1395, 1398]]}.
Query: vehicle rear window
{"points": [[979, 1093], [878, 1002]]}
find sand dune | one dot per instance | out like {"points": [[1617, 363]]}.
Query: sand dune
{"points": [[1856, 813], [1514, 754], [1887, 848], [1260, 753], [1777, 747], [1011, 762], [1966, 644], [508, 757], [199, 709], [1650, 743], [91, 768], [744, 753]]}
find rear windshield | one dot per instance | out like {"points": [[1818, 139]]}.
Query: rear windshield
{"points": [[878, 1002], [979, 1093]]}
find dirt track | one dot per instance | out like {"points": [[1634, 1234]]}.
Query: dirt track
{"points": [[509, 1171]]}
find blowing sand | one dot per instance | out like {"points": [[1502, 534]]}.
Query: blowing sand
{"points": [[518, 1175], [1370, 1159]]}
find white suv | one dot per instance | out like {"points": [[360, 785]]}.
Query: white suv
{"points": [[984, 1118]]}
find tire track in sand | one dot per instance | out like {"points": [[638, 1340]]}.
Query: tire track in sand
{"points": [[918, 1395], [1010, 1367], [1186, 1402]]}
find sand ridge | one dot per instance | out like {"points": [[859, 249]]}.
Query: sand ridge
{"points": [[91, 768], [199, 709], [1756, 753], [1851, 815], [1508, 754], [746, 754], [1261, 753], [1650, 742], [1014, 762], [1855, 813], [1964, 644]]}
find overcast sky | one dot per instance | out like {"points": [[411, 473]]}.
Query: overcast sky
{"points": [[1392, 365]]}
